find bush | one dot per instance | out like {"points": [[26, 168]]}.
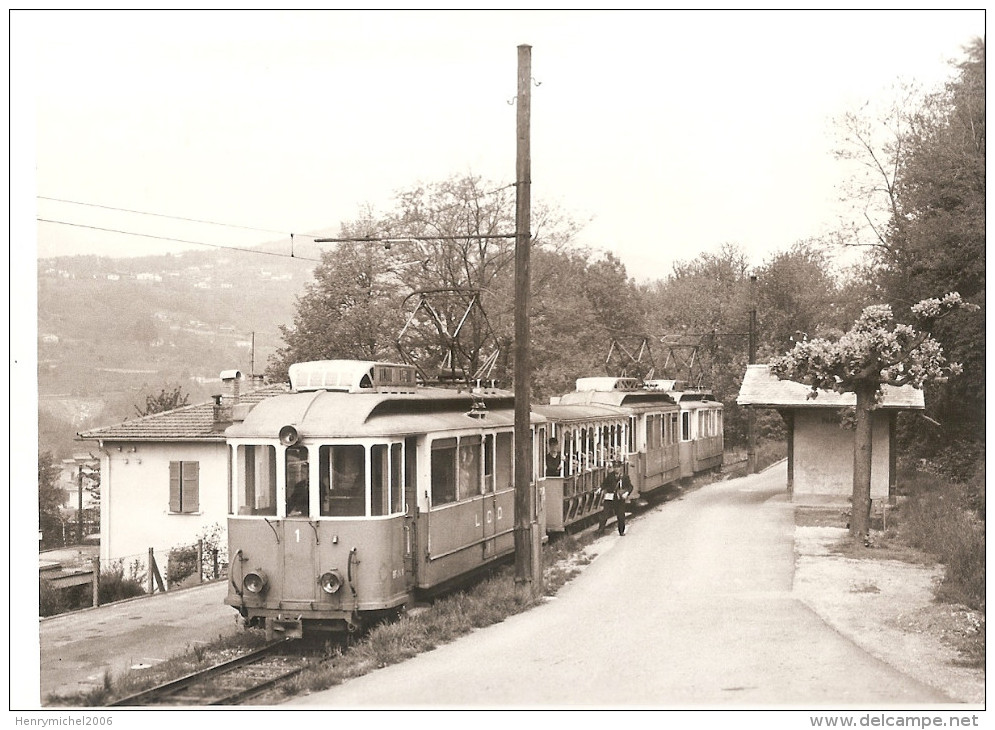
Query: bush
{"points": [[53, 601], [770, 452], [181, 564], [938, 519], [114, 586]]}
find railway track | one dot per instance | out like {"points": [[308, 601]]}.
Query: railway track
{"points": [[228, 683]]}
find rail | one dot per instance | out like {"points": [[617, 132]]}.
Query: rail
{"points": [[220, 684]]}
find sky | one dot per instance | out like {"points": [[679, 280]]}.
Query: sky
{"points": [[667, 133]]}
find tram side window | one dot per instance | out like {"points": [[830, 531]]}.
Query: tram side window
{"points": [[489, 463], [504, 461], [685, 426], [469, 467], [255, 482], [342, 474], [443, 471], [673, 429], [396, 484], [569, 467], [379, 484], [652, 432]]}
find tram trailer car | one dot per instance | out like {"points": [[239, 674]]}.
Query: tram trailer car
{"points": [[589, 438], [649, 445], [359, 490], [701, 426]]}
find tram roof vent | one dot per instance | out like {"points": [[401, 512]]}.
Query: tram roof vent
{"points": [[605, 384], [668, 385], [352, 376]]}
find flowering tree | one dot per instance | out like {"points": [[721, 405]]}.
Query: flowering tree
{"points": [[873, 353]]}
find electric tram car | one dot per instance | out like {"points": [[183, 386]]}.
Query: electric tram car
{"points": [[361, 489]]}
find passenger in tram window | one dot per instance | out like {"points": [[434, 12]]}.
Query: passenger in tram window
{"points": [[297, 502], [616, 487], [554, 462]]}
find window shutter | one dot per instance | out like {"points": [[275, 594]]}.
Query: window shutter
{"points": [[190, 498], [174, 486]]}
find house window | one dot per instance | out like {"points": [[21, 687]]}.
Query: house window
{"points": [[184, 486]]}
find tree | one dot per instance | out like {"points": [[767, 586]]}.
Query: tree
{"points": [[703, 309], [351, 310], [51, 497], [166, 400], [442, 261], [568, 341], [926, 182], [796, 295], [873, 353]]}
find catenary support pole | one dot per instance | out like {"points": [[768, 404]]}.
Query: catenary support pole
{"points": [[528, 573], [751, 432], [79, 513]]}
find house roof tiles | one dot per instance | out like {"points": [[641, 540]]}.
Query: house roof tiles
{"points": [[761, 388], [188, 423]]}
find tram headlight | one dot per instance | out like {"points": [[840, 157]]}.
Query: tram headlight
{"points": [[255, 581], [330, 581]]}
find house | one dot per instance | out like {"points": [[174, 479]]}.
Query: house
{"points": [[164, 477], [73, 473], [820, 448]]}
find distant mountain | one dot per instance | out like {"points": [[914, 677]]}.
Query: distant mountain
{"points": [[112, 330]]}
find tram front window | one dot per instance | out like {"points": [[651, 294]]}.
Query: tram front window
{"points": [[297, 482], [255, 481], [342, 472]]}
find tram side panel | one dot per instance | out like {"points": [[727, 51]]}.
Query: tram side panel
{"points": [[466, 516], [658, 462], [702, 443]]}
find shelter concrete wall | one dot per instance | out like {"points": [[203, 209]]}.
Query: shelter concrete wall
{"points": [[823, 455]]}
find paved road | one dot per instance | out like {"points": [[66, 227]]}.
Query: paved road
{"points": [[78, 648], [692, 608]]}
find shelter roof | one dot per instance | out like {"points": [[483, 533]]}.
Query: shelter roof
{"points": [[763, 389]]}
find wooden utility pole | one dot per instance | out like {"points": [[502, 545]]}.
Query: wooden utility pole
{"points": [[528, 571], [751, 434], [79, 512]]}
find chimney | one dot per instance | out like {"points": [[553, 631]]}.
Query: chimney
{"points": [[232, 382], [218, 410]]}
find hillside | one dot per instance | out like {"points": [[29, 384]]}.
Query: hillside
{"points": [[112, 330]]}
